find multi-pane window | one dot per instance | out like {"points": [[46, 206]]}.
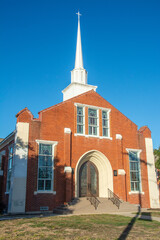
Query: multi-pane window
{"points": [[10, 164], [105, 123], [80, 120], [93, 121], [134, 171], [45, 167]]}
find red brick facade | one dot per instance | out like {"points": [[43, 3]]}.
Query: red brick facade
{"points": [[50, 126]]}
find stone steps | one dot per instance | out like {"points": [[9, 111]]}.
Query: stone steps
{"points": [[83, 206]]}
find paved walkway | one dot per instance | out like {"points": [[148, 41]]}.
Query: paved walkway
{"points": [[139, 216], [126, 214]]}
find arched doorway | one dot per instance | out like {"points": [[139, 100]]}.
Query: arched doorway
{"points": [[104, 170], [88, 180]]}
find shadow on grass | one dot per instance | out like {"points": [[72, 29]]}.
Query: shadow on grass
{"points": [[130, 225]]}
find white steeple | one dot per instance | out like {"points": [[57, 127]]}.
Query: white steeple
{"points": [[78, 74], [79, 58]]}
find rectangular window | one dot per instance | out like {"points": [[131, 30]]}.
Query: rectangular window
{"points": [[134, 171], [105, 123], [80, 120], [9, 170], [45, 167], [93, 121]]}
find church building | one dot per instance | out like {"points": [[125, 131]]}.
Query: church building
{"points": [[78, 147]]}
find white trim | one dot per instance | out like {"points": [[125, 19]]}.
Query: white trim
{"points": [[134, 150], [94, 136], [104, 168], [97, 126], [121, 172], [119, 136], [51, 168], [53, 143], [84, 126], [92, 106], [67, 169], [44, 192], [136, 192], [108, 110], [67, 130], [152, 179], [140, 178], [79, 134], [46, 142], [103, 137]]}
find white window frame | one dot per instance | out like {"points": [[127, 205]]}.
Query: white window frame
{"points": [[53, 143], [97, 110], [138, 151], [108, 128], [83, 108]]}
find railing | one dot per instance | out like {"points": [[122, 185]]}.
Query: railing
{"points": [[114, 198], [93, 200]]}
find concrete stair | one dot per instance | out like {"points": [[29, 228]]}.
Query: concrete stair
{"points": [[83, 206]]}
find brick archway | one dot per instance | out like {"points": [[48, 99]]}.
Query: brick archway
{"points": [[105, 171]]}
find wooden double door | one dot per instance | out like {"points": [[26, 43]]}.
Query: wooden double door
{"points": [[88, 180]]}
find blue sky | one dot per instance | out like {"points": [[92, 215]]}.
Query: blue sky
{"points": [[121, 52]]}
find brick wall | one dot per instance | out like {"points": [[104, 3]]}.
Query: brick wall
{"points": [[50, 126]]}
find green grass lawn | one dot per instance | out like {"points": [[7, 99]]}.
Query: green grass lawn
{"points": [[79, 227]]}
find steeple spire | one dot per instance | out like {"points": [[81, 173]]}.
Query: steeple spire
{"points": [[79, 58], [78, 83], [79, 74]]}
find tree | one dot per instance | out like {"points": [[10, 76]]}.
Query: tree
{"points": [[157, 157]]}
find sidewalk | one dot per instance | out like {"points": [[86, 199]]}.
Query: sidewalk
{"points": [[144, 217], [126, 214]]}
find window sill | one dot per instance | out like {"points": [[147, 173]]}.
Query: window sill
{"points": [[94, 136], [45, 192], [136, 192], [102, 137]]}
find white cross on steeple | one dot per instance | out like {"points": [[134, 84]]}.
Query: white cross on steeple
{"points": [[79, 15]]}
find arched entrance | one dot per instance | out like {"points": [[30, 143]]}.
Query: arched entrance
{"points": [[88, 180], [103, 172]]}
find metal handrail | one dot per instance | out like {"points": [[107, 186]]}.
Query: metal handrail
{"points": [[93, 200], [114, 198]]}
